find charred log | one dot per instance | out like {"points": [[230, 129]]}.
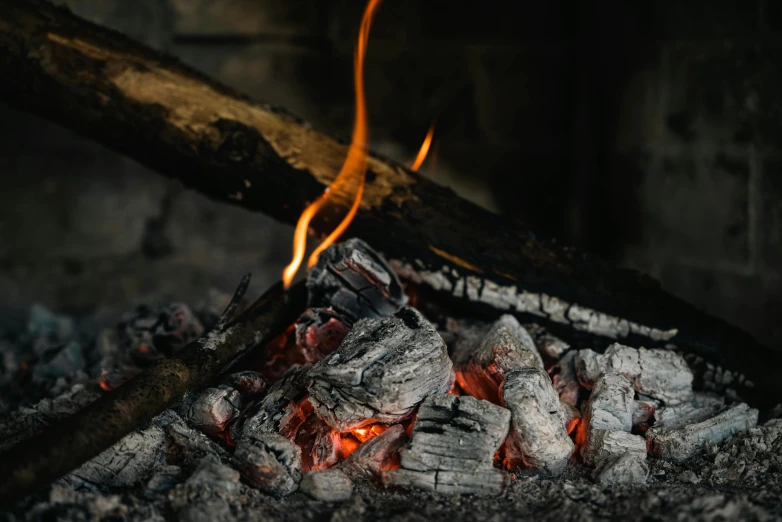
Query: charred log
{"points": [[64, 446], [152, 108]]}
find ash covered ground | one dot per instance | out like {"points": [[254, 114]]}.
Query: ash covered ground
{"points": [[184, 466]]}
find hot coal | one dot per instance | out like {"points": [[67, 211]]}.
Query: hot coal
{"points": [[319, 332], [355, 281], [270, 463], [659, 373], [684, 442], [381, 372], [452, 447], [321, 446], [327, 485], [376, 455], [278, 408], [507, 347], [538, 436]]}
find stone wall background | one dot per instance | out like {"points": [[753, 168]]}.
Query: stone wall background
{"points": [[649, 134]]}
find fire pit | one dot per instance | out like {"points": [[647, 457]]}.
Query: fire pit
{"points": [[441, 363]]}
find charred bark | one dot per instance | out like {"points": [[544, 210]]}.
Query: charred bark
{"points": [[62, 447], [175, 120]]}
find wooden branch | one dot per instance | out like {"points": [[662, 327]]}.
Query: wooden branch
{"points": [[177, 121], [62, 447]]}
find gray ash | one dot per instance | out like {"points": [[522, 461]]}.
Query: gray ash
{"points": [[361, 419]]}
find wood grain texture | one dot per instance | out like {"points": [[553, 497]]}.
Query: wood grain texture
{"points": [[187, 126]]}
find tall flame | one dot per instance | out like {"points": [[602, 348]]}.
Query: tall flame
{"points": [[353, 170], [424, 150]]}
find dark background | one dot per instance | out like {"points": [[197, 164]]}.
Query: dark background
{"points": [[648, 132]]}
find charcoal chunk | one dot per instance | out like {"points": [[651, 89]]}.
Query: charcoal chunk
{"points": [[273, 412], [507, 347], [381, 372], [156, 331], [354, 280], [452, 447], [212, 409], [538, 436], [625, 470], [684, 442], [565, 380], [703, 406], [610, 408], [376, 455], [319, 332], [607, 445], [659, 373], [251, 385], [270, 463], [327, 485]]}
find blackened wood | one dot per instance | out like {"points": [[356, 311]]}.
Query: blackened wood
{"points": [[177, 121], [62, 447]]}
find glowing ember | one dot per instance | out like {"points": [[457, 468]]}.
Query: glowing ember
{"points": [[424, 150], [351, 176], [368, 432]]}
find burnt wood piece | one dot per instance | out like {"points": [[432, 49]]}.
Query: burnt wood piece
{"points": [[149, 106], [63, 446]]}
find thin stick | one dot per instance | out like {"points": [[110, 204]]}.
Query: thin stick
{"points": [[63, 447]]}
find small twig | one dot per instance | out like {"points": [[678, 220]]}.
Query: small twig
{"points": [[228, 314]]}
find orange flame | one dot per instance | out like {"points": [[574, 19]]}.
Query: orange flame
{"points": [[424, 150], [353, 170]]}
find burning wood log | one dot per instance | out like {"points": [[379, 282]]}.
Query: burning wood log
{"points": [[152, 108], [537, 437], [452, 447], [381, 372], [64, 446]]}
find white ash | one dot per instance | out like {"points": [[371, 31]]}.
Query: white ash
{"points": [[605, 446], [702, 406], [203, 496], [481, 483], [507, 347], [452, 446], [659, 373], [610, 408], [270, 463], [212, 409], [126, 463], [538, 436], [329, 485], [565, 380], [381, 372], [750, 457], [625, 470], [267, 415], [353, 279], [374, 456], [682, 443], [186, 445], [644, 412]]}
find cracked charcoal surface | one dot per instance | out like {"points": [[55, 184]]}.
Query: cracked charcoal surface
{"points": [[682, 443], [659, 373], [353, 279], [452, 447], [270, 463], [610, 408], [381, 372], [506, 347], [327, 485], [212, 409], [537, 436], [267, 414]]}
